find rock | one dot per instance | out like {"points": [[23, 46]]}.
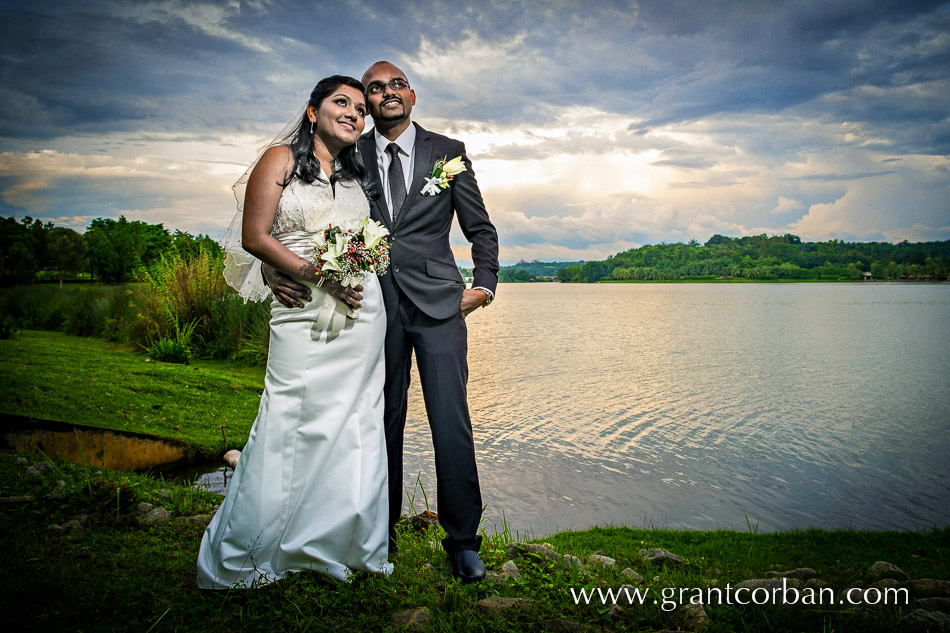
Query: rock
{"points": [[424, 520], [615, 612], [603, 561], [692, 617], [201, 520], [933, 604], [773, 585], [510, 570], [9, 500], [430, 567], [515, 549], [22, 460], [231, 458], [31, 472], [930, 621], [885, 583], [98, 473], [143, 508], [883, 569], [817, 584], [655, 555], [156, 515], [417, 619], [632, 575], [497, 605], [803, 573], [544, 550], [59, 490], [565, 626], [930, 587], [164, 493], [44, 467], [55, 529], [572, 561]]}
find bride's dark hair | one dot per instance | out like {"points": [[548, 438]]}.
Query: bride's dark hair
{"points": [[306, 165]]}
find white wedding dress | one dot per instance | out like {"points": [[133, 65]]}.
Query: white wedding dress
{"points": [[309, 492]]}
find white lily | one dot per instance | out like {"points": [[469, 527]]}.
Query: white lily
{"points": [[335, 250], [453, 167], [320, 240], [373, 233], [433, 187]]}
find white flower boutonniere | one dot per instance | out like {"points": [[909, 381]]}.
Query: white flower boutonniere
{"points": [[442, 174]]}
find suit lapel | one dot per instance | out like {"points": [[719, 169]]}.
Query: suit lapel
{"points": [[421, 168]]}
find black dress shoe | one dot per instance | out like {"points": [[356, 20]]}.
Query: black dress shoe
{"points": [[467, 566]]}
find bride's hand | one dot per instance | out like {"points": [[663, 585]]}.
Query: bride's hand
{"points": [[349, 296]]}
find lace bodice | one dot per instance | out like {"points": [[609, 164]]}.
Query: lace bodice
{"points": [[310, 208]]}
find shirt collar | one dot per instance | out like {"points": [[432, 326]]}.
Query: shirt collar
{"points": [[406, 141]]}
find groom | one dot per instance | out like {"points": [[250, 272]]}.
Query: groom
{"points": [[426, 303]]}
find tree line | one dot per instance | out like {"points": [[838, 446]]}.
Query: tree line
{"points": [[768, 258], [110, 251]]}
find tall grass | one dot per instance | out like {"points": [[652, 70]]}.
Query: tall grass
{"points": [[190, 293], [81, 310], [176, 294]]}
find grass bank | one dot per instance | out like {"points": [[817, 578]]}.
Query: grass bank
{"points": [[78, 556], [88, 381]]}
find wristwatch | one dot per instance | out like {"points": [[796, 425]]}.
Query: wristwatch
{"points": [[488, 293]]}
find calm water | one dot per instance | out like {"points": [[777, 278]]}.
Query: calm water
{"points": [[693, 405]]}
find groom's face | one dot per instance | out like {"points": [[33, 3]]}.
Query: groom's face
{"points": [[388, 104]]}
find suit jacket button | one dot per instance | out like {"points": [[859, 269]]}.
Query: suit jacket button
{"points": [[395, 269]]}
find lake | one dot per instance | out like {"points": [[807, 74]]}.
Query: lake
{"points": [[699, 405]]}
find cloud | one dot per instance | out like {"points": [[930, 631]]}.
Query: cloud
{"points": [[640, 122]]}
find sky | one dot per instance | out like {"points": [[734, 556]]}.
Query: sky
{"points": [[593, 127]]}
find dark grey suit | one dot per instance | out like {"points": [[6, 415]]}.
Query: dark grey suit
{"points": [[422, 292]]}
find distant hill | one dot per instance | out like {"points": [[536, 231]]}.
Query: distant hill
{"points": [[768, 258], [532, 271]]}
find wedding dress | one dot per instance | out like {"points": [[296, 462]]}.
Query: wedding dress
{"points": [[309, 492]]}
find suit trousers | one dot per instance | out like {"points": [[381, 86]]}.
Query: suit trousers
{"points": [[441, 348]]}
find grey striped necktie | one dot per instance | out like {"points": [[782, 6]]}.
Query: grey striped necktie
{"points": [[397, 181]]}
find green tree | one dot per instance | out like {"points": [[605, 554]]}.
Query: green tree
{"points": [[67, 251]]}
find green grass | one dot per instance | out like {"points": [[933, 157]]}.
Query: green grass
{"points": [[120, 575], [87, 381]]}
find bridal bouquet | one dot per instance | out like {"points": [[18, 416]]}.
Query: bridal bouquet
{"points": [[347, 255]]}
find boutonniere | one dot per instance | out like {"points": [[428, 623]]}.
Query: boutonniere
{"points": [[442, 174]]}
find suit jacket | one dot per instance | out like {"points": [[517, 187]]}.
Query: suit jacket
{"points": [[421, 261]]}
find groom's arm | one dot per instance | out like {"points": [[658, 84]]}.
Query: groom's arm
{"points": [[477, 228]]}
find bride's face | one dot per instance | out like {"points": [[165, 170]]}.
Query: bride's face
{"points": [[340, 118]]}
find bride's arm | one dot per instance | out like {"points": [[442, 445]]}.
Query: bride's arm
{"points": [[264, 188]]}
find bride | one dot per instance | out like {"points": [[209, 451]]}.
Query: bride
{"points": [[310, 491]]}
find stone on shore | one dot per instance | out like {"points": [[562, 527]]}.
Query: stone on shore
{"points": [[655, 555], [498, 605], [603, 561], [417, 619], [424, 520], [632, 575], [803, 573], [231, 458], [883, 569], [930, 621], [692, 617]]}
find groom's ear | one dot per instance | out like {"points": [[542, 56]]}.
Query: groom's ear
{"points": [[412, 96]]}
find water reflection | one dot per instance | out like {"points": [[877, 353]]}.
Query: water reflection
{"points": [[691, 405]]}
